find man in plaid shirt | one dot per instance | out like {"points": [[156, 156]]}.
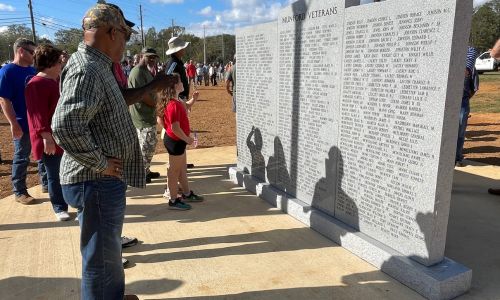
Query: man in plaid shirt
{"points": [[102, 155]]}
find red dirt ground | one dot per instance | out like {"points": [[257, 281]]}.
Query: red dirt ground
{"points": [[211, 117]]}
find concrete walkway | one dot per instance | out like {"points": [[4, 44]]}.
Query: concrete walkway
{"points": [[234, 245]]}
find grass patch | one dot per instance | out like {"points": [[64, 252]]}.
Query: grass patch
{"points": [[489, 77], [487, 99]]}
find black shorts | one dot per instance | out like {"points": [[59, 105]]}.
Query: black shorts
{"points": [[174, 147]]}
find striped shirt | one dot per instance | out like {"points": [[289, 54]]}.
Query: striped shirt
{"points": [[92, 122], [470, 61], [472, 82]]}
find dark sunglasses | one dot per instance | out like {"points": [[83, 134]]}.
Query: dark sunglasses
{"points": [[29, 50], [126, 33]]}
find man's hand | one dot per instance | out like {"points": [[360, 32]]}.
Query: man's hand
{"points": [[114, 168], [49, 146], [16, 130], [162, 81]]}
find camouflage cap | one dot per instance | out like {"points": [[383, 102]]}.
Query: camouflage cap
{"points": [[103, 14]]}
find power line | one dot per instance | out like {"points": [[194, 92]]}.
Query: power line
{"points": [[60, 21]]}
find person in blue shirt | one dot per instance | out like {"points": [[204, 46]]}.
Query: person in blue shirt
{"points": [[12, 82], [471, 85]]}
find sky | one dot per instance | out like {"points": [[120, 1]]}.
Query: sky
{"points": [[216, 16]]}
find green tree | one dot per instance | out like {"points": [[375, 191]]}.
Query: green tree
{"points": [[9, 36], [486, 25], [68, 39]]}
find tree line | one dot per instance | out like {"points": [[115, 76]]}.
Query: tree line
{"points": [[485, 31], [219, 48]]}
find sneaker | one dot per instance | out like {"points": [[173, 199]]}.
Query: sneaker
{"points": [[154, 175], [124, 262], [459, 164], [129, 241], [45, 189], [190, 166], [192, 197], [130, 297], [62, 216], [25, 199], [177, 204]]}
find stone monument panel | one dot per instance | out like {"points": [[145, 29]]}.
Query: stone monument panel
{"points": [[394, 92], [357, 109], [310, 54], [256, 98]]}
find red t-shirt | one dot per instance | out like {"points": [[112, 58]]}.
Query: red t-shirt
{"points": [[176, 112], [41, 96], [191, 71]]}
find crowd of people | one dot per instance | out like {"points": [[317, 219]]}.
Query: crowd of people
{"points": [[90, 121], [199, 74]]}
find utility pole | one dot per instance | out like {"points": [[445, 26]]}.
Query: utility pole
{"points": [[142, 28], [173, 28], [32, 21], [223, 47], [204, 46], [163, 49]]}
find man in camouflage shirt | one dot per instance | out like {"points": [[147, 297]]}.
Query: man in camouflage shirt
{"points": [[144, 112]]}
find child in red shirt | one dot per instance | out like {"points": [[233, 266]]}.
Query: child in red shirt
{"points": [[172, 115]]}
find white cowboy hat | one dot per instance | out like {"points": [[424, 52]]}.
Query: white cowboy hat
{"points": [[175, 44]]}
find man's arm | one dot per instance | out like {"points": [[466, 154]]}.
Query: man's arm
{"points": [[142, 94], [495, 52], [10, 114], [134, 95]]}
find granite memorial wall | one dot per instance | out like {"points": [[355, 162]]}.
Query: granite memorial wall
{"points": [[350, 112]]}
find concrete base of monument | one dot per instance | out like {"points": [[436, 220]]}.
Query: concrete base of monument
{"points": [[445, 280]]}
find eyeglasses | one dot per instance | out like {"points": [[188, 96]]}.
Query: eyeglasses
{"points": [[29, 50], [126, 33]]}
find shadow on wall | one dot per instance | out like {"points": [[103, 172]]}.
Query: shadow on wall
{"points": [[277, 171], [255, 148], [326, 188]]}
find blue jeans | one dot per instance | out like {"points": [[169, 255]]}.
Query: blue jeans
{"points": [[462, 126], [101, 210], [42, 172], [52, 163], [20, 162]]}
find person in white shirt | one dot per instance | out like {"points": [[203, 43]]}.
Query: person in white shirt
{"points": [[213, 75]]}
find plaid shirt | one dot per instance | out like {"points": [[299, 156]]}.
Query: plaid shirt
{"points": [[92, 122]]}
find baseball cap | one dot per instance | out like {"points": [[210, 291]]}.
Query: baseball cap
{"points": [[104, 14], [149, 52]]}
